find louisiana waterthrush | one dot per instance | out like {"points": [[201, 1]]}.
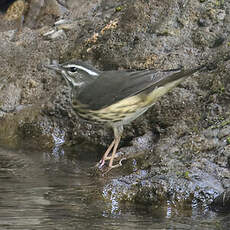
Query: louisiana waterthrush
{"points": [[116, 98]]}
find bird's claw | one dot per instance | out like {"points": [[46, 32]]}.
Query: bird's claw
{"points": [[120, 162], [100, 164], [114, 166]]}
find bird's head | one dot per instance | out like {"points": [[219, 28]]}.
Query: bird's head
{"points": [[76, 73]]}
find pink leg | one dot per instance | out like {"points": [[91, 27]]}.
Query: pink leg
{"points": [[114, 145], [117, 141], [111, 166], [104, 158]]}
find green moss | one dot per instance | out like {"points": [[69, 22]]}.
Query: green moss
{"points": [[219, 2], [228, 140], [222, 89], [186, 175], [224, 123], [119, 8], [221, 124], [164, 33]]}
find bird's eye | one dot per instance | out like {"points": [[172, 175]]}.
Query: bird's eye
{"points": [[73, 69]]}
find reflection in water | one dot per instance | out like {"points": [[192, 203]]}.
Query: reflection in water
{"points": [[55, 191]]}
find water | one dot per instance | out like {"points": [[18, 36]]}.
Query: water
{"points": [[55, 190]]}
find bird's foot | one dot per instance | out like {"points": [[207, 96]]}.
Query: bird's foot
{"points": [[101, 163], [114, 166]]}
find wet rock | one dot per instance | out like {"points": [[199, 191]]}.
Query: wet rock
{"points": [[222, 202], [25, 129], [181, 171]]}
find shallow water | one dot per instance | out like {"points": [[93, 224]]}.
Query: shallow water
{"points": [[40, 190]]}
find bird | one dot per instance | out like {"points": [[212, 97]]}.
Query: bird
{"points": [[117, 97]]}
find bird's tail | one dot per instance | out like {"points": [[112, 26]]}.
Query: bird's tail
{"points": [[166, 84]]}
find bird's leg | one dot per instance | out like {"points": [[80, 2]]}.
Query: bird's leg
{"points": [[111, 166], [117, 141], [114, 145], [104, 158], [117, 134]]}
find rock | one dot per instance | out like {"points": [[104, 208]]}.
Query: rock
{"points": [[222, 202]]}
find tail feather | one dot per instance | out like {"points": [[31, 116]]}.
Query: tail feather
{"points": [[177, 76], [166, 84]]}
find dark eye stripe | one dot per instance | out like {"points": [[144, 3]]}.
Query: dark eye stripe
{"points": [[72, 69]]}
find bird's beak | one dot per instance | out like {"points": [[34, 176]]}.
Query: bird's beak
{"points": [[54, 66], [59, 69]]}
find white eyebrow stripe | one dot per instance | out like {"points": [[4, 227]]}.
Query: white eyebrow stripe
{"points": [[82, 68]]}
